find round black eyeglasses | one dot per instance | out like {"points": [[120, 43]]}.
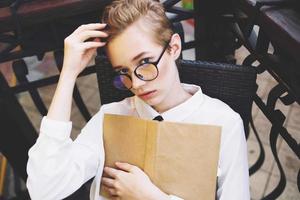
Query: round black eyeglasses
{"points": [[147, 71]]}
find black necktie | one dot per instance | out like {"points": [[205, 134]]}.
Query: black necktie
{"points": [[158, 118]]}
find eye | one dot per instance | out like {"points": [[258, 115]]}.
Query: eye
{"points": [[123, 71], [145, 60]]}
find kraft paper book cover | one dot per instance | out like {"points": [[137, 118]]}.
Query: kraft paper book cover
{"points": [[180, 158]]}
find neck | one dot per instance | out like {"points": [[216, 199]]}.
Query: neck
{"points": [[176, 96]]}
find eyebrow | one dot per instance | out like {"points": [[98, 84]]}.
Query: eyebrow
{"points": [[135, 58]]}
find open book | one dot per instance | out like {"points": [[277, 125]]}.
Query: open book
{"points": [[180, 158]]}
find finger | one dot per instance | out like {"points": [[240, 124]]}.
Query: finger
{"points": [[125, 166], [88, 45], [111, 191], [91, 26], [84, 35], [108, 182], [111, 172]]}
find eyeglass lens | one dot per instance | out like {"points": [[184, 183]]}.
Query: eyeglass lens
{"points": [[145, 72]]}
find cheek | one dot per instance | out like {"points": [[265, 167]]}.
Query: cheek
{"points": [[166, 75]]}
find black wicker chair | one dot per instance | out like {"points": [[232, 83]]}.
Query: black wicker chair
{"points": [[235, 85]]}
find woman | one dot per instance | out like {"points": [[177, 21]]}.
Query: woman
{"points": [[143, 51]]}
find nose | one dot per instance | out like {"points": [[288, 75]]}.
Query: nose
{"points": [[136, 82]]}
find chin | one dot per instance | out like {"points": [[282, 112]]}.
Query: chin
{"points": [[155, 99], [154, 102], [151, 102]]}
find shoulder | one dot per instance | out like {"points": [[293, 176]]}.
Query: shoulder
{"points": [[124, 107], [219, 111], [216, 112]]}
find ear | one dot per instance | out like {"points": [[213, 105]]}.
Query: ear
{"points": [[175, 45]]}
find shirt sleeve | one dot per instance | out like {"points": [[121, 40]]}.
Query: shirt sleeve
{"points": [[58, 166], [233, 182]]}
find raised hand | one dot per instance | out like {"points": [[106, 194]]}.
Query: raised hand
{"points": [[77, 51], [77, 54]]}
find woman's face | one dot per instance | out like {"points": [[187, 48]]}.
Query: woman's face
{"points": [[134, 46]]}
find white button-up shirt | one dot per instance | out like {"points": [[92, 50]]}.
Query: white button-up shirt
{"points": [[58, 166]]}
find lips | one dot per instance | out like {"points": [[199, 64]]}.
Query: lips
{"points": [[147, 95]]}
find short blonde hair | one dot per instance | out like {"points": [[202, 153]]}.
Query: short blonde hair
{"points": [[122, 13]]}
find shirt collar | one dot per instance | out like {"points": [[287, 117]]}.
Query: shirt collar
{"points": [[179, 112]]}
